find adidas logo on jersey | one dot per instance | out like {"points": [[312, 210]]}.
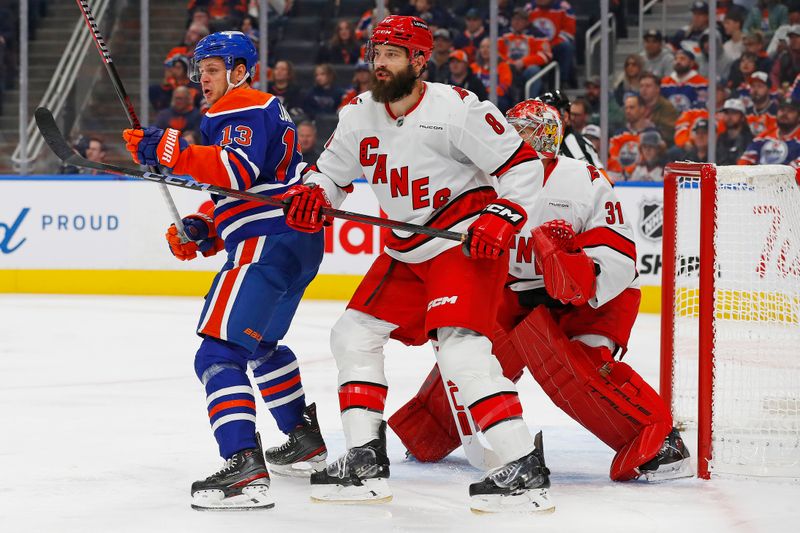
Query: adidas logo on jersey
{"points": [[436, 302]]}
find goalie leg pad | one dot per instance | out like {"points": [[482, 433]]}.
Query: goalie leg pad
{"points": [[605, 396]]}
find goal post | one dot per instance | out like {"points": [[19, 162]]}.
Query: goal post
{"points": [[730, 323]]}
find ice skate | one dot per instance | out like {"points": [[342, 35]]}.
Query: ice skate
{"points": [[241, 485], [359, 476], [520, 486], [303, 453], [671, 462]]}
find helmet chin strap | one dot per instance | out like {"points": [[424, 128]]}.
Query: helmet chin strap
{"points": [[232, 85]]}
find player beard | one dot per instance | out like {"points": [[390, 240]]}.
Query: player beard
{"points": [[395, 88]]}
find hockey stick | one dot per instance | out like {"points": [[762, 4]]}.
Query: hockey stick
{"points": [[116, 81], [59, 145]]}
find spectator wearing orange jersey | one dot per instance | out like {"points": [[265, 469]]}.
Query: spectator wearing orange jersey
{"points": [[504, 76], [760, 103], [779, 146], [685, 125], [623, 150], [555, 20], [470, 39], [525, 53]]}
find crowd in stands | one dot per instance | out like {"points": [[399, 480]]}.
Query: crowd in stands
{"points": [[657, 101]]}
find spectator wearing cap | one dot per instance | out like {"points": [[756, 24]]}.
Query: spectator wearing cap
{"points": [[694, 30], [181, 115], [324, 97], [307, 141], [342, 48], [698, 152], [555, 20], [461, 75], [505, 78], [628, 81], [592, 133], [475, 31], [732, 48], [523, 52], [652, 150], [737, 136], [760, 103], [284, 88], [438, 65], [592, 96], [362, 82], [780, 39], [686, 123], [658, 109], [780, 146], [787, 64], [657, 58], [176, 74], [766, 16], [685, 88]]}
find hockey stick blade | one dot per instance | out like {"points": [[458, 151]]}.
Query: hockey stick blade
{"points": [[59, 145]]}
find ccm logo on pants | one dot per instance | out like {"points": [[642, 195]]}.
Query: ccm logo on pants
{"points": [[436, 302]]}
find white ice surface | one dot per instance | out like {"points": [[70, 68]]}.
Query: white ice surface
{"points": [[105, 428]]}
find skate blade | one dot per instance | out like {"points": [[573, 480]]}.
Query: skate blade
{"points": [[252, 498], [299, 469], [531, 501], [677, 470], [371, 491]]}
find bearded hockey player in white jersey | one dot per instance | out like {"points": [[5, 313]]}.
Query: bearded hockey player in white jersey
{"points": [[567, 314], [433, 155]]}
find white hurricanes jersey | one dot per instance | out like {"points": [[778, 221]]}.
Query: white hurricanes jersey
{"points": [[439, 165], [578, 193]]}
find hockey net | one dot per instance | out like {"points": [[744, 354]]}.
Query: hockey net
{"points": [[730, 353]]}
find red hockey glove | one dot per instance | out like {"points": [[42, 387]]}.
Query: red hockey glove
{"points": [[490, 235], [569, 274], [200, 228], [302, 205], [154, 146]]}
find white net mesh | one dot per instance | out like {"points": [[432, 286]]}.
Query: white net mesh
{"points": [[756, 392]]}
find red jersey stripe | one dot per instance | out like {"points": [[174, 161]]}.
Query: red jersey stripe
{"points": [[523, 153], [607, 237]]}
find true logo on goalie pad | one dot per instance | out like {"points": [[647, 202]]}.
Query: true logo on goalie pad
{"points": [[436, 302]]}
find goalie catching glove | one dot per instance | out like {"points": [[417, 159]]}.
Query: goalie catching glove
{"points": [[569, 274], [302, 205], [491, 233], [200, 229], [154, 146]]}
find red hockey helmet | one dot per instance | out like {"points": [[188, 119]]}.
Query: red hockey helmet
{"points": [[538, 124], [411, 33]]}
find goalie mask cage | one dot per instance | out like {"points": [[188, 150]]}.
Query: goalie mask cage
{"points": [[730, 319]]}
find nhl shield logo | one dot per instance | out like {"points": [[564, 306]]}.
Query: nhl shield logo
{"points": [[651, 222]]}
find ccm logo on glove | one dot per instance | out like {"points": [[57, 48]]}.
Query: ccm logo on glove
{"points": [[505, 212]]}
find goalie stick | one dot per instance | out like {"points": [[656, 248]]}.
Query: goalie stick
{"points": [[116, 81], [59, 145]]}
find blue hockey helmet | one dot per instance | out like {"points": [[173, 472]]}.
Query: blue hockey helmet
{"points": [[228, 46]]}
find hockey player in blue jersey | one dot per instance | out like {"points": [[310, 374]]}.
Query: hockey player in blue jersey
{"points": [[248, 143]]}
